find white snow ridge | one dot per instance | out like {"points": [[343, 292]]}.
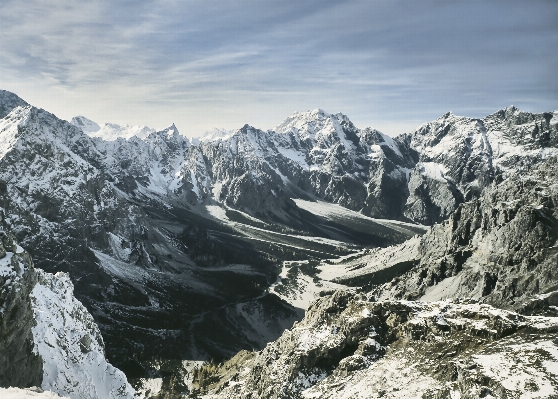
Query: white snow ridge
{"points": [[110, 131], [70, 344]]}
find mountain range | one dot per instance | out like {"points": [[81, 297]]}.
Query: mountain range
{"points": [[186, 250]]}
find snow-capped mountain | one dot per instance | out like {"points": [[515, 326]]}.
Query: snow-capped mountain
{"points": [[137, 226], [47, 337], [196, 249], [214, 134], [86, 125], [110, 131], [459, 157]]}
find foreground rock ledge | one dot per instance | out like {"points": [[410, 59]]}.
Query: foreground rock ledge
{"points": [[48, 339], [350, 347]]}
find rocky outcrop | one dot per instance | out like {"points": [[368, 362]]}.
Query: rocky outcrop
{"points": [[500, 248], [347, 346], [20, 365], [47, 337], [459, 157]]}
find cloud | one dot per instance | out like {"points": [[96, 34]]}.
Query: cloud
{"points": [[221, 63]]}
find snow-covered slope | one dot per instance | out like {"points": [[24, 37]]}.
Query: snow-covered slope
{"points": [[350, 347], [110, 131], [70, 344], [55, 343]]}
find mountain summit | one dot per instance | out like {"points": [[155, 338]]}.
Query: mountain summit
{"points": [[187, 250]]}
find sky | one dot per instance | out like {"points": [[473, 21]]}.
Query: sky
{"points": [[391, 65]]}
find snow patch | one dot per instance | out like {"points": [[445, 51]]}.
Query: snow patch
{"points": [[70, 344]]}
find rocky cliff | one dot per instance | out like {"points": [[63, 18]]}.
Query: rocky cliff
{"points": [[350, 347], [499, 248], [47, 337], [415, 335]]}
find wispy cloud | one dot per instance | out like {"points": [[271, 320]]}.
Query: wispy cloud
{"points": [[201, 64]]}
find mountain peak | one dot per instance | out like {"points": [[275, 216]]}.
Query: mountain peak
{"points": [[85, 124], [9, 101], [302, 120], [319, 111], [215, 134], [113, 131]]}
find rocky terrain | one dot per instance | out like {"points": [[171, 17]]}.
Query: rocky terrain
{"points": [[48, 339], [371, 345], [187, 250], [409, 333], [156, 236], [348, 346], [500, 248]]}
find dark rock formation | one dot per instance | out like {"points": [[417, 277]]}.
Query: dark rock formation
{"points": [[20, 365]]}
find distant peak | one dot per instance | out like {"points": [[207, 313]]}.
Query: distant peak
{"points": [[512, 109], [9, 101], [319, 111], [85, 124], [171, 127], [215, 134]]}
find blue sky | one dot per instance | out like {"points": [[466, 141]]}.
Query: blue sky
{"points": [[391, 65]]}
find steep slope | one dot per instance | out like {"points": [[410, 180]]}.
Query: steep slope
{"points": [[460, 157], [500, 248], [153, 256], [47, 337], [349, 347]]}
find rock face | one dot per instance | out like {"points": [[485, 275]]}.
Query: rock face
{"points": [[459, 157], [20, 365], [47, 337], [500, 248], [349, 347]]}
